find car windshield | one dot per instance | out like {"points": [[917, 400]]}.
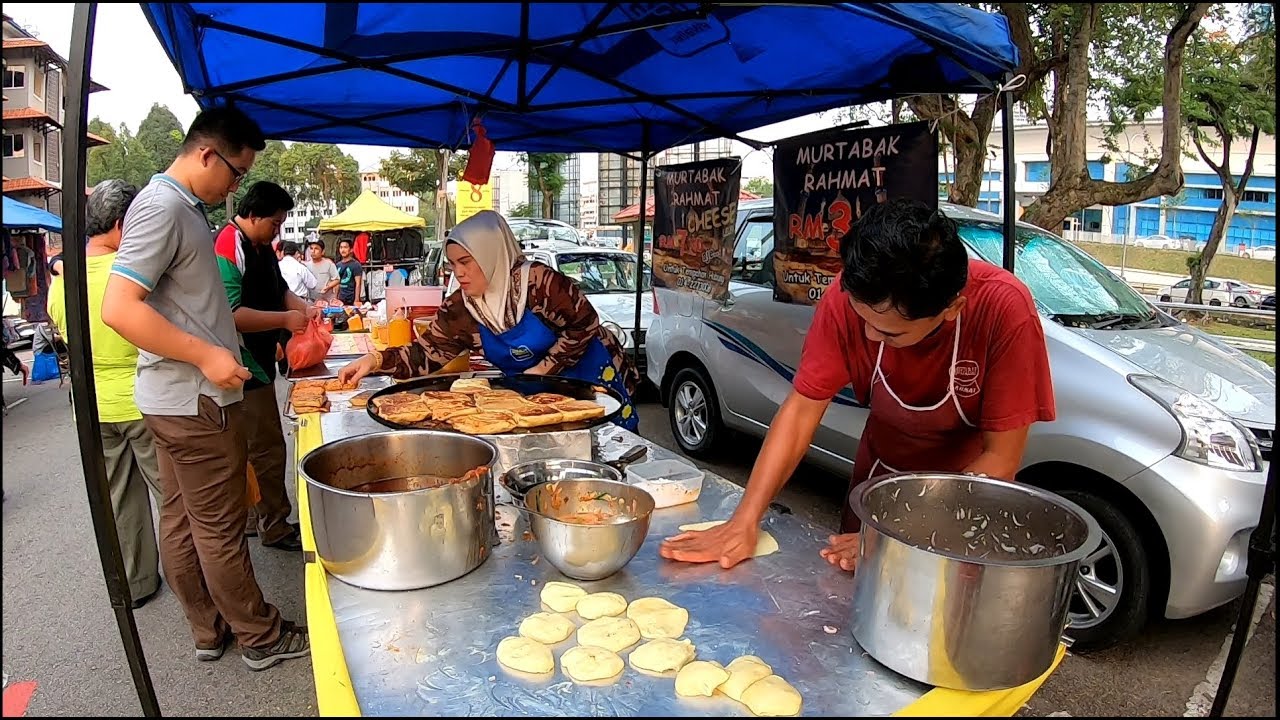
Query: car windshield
{"points": [[528, 231], [1068, 285], [601, 272]]}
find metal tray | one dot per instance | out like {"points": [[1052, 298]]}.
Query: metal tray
{"points": [[523, 384], [338, 401]]}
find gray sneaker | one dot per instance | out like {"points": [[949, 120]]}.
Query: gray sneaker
{"points": [[294, 642], [214, 653]]}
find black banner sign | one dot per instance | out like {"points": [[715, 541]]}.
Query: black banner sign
{"points": [[694, 221]]}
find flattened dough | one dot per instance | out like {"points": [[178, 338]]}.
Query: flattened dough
{"points": [[765, 544], [585, 663], [658, 618], [700, 678], [772, 697], [561, 596], [547, 628], [611, 633], [525, 655], [601, 604], [662, 655], [743, 672]]}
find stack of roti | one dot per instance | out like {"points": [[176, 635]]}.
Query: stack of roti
{"points": [[308, 396], [405, 408]]}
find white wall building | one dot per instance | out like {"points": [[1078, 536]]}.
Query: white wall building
{"points": [[297, 219], [401, 200]]}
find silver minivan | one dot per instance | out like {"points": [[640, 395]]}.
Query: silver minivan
{"points": [[1163, 433]]}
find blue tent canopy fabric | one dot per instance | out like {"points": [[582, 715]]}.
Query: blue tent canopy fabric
{"points": [[568, 77], [21, 216]]}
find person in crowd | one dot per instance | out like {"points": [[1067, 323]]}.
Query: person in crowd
{"points": [[350, 275], [296, 276], [127, 445], [948, 352], [165, 297], [325, 272], [262, 307], [524, 316]]}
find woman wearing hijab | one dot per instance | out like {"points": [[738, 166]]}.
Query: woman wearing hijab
{"points": [[524, 316]]}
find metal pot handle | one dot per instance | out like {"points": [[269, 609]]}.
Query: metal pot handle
{"points": [[633, 455]]}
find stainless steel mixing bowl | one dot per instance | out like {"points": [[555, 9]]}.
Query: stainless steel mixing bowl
{"points": [[517, 480], [588, 551]]}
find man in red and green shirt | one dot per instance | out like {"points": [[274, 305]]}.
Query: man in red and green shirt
{"points": [[262, 307]]}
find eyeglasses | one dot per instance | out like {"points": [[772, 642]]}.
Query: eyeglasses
{"points": [[236, 173]]}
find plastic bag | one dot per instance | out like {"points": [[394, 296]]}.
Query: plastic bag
{"points": [[308, 347], [45, 367]]}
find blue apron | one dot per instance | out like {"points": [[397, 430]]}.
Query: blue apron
{"points": [[525, 345]]}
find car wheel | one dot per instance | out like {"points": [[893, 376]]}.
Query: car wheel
{"points": [[1240, 302], [1215, 302], [1114, 585], [695, 414], [1166, 298]]}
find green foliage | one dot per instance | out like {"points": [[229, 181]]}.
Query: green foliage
{"points": [[161, 134], [521, 210], [760, 186], [418, 171], [546, 178], [320, 174]]}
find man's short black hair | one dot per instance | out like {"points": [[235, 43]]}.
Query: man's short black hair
{"points": [[226, 127], [348, 242], [903, 253], [319, 243], [263, 200], [289, 247]]}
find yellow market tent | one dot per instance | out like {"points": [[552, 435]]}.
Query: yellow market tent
{"points": [[370, 213]]}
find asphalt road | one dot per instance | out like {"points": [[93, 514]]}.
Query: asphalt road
{"points": [[59, 630]]}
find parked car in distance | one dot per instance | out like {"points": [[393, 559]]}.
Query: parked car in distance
{"points": [[538, 232], [1164, 242], [1262, 252], [1216, 291], [1268, 302], [1163, 434]]}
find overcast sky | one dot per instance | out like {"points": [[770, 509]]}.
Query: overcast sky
{"points": [[128, 59]]}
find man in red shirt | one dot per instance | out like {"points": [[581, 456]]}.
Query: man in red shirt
{"points": [[948, 353]]}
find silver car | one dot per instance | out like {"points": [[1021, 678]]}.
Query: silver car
{"points": [[1163, 434]]}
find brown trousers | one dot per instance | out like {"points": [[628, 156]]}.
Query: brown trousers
{"points": [[267, 455], [203, 549]]}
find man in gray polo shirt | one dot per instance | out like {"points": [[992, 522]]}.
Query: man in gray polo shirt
{"points": [[166, 297]]}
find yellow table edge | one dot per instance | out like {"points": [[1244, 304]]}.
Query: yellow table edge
{"points": [[335, 696]]}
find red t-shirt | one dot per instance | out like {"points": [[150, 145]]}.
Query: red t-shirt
{"points": [[1002, 368]]}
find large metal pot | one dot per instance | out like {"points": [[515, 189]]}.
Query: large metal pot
{"points": [[964, 582], [411, 531]]}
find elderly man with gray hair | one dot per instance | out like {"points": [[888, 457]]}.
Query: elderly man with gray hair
{"points": [[127, 444]]}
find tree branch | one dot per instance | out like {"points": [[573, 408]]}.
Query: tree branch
{"points": [[1204, 155], [1248, 163]]}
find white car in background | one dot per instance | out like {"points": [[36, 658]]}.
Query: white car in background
{"points": [[1217, 291], [1263, 252]]}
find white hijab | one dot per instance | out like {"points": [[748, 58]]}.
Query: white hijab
{"points": [[488, 238]]}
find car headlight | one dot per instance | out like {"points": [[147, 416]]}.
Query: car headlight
{"points": [[617, 331], [1209, 436]]}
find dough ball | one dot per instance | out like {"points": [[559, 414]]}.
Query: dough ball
{"points": [[658, 618], [561, 597], [601, 604], [547, 628], [662, 655], [611, 633], [765, 544], [743, 672], [700, 678], [585, 663], [771, 697], [525, 655]]}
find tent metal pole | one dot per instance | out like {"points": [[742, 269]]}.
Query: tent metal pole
{"points": [[1010, 201], [638, 333], [88, 428]]}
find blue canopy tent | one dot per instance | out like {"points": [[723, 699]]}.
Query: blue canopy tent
{"points": [[544, 77], [21, 216]]}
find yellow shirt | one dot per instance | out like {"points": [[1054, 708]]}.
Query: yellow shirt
{"points": [[115, 361]]}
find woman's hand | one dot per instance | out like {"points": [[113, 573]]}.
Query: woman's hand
{"points": [[728, 544], [355, 370], [842, 550]]}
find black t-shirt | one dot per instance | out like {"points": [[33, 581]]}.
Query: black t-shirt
{"points": [[263, 289]]}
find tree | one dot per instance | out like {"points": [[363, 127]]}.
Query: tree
{"points": [[319, 174], [521, 210], [161, 133], [1074, 55], [545, 177], [417, 172], [761, 186], [124, 158], [1230, 95]]}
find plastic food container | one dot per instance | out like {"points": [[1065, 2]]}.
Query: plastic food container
{"points": [[670, 482]]}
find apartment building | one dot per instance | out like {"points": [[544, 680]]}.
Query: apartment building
{"points": [[402, 200], [34, 110]]}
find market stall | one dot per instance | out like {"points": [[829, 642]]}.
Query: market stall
{"points": [[392, 238], [432, 651]]}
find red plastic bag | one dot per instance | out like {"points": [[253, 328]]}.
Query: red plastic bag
{"points": [[308, 347]]}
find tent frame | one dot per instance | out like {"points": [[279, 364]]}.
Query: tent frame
{"points": [[75, 150]]}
